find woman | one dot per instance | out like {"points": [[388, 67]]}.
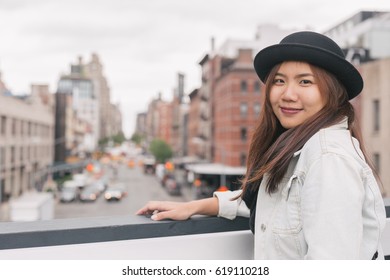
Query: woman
{"points": [[309, 190]]}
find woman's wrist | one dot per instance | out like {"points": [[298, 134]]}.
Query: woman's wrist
{"points": [[207, 206]]}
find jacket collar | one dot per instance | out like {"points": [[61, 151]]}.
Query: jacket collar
{"points": [[341, 125]]}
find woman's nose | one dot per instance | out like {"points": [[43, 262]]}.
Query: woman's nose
{"points": [[290, 93]]}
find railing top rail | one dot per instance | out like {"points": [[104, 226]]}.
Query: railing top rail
{"points": [[15, 235]]}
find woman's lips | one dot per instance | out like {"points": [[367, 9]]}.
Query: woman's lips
{"points": [[286, 110]]}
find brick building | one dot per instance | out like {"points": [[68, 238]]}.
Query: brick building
{"points": [[236, 107], [164, 131], [194, 129]]}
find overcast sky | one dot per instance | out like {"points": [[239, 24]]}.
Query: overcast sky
{"points": [[142, 44]]}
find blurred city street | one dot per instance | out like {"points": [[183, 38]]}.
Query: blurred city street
{"points": [[140, 189]]}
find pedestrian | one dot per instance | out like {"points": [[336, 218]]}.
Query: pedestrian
{"points": [[310, 191]]}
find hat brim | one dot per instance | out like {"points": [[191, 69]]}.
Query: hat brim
{"points": [[347, 74]]}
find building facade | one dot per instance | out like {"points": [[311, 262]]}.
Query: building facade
{"points": [[195, 140], [221, 91], [375, 99], [156, 123], [140, 127], [365, 39], [204, 140], [179, 131], [215, 125], [115, 121], [364, 31], [26, 141], [106, 111], [152, 119], [164, 112], [93, 111], [85, 109], [236, 105]]}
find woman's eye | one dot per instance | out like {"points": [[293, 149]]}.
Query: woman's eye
{"points": [[306, 82], [278, 81]]}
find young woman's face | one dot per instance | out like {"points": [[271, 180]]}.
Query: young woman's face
{"points": [[294, 94]]}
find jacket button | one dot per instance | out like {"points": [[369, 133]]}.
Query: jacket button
{"points": [[263, 227]]}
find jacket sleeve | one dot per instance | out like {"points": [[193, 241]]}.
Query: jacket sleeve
{"points": [[230, 206], [331, 204]]}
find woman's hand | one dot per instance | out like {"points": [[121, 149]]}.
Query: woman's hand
{"points": [[161, 210]]}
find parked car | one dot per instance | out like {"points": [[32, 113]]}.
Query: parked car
{"points": [[99, 185], [89, 193], [68, 194], [115, 192]]}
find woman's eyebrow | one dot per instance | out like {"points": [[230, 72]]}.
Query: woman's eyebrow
{"points": [[280, 74], [297, 76], [304, 75]]}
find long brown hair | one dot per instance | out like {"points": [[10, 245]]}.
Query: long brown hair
{"points": [[272, 146]]}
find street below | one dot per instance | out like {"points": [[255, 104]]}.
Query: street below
{"points": [[140, 189]]}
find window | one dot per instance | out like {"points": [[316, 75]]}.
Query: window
{"points": [[377, 162], [21, 129], [243, 109], [3, 125], [243, 159], [2, 158], [14, 124], [243, 134], [257, 87], [376, 111], [244, 86], [256, 108], [12, 180], [12, 155], [28, 153]]}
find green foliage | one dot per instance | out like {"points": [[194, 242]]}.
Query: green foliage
{"points": [[119, 138], [115, 139], [136, 138], [62, 179], [161, 150]]}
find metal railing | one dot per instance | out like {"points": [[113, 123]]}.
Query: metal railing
{"points": [[126, 237], [132, 237]]}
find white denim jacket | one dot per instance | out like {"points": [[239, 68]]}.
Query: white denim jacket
{"points": [[328, 206]]}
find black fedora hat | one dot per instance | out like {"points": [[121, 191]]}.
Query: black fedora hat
{"points": [[315, 49]]}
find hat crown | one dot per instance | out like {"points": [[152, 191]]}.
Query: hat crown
{"points": [[313, 40]]}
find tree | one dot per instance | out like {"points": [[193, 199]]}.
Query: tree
{"points": [[115, 139], [136, 138], [118, 138], [161, 150]]}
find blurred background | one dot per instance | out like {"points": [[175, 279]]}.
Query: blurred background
{"points": [[105, 105]]}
